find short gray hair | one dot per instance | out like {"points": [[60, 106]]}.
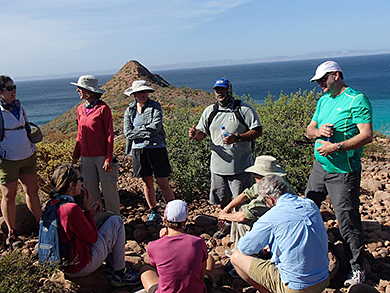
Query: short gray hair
{"points": [[273, 186]]}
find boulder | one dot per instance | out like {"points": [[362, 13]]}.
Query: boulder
{"points": [[205, 220]]}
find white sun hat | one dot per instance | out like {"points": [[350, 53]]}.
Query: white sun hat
{"points": [[90, 83], [324, 68], [138, 86]]}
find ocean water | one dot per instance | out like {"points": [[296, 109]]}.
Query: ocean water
{"points": [[46, 99]]}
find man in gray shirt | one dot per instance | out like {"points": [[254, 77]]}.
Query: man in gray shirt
{"points": [[231, 155]]}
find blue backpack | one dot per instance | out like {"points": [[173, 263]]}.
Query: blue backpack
{"points": [[50, 251]]}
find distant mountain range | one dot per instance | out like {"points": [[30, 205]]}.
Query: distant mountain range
{"points": [[317, 55]]}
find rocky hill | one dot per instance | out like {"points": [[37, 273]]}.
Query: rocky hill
{"points": [[166, 94]]}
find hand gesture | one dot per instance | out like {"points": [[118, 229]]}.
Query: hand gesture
{"points": [[192, 132], [86, 198], [107, 166]]}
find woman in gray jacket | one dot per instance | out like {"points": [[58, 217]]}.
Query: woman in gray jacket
{"points": [[146, 144]]}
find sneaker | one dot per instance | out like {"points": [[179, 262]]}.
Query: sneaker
{"points": [[229, 252], [225, 230], [154, 219], [108, 272], [129, 278], [355, 277], [14, 241]]}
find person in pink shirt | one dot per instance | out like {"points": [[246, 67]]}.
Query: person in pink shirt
{"points": [[95, 143], [182, 262]]}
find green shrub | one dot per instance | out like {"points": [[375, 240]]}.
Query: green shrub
{"points": [[284, 123], [20, 273], [190, 160]]}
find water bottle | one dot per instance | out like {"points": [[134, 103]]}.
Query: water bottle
{"points": [[225, 133], [330, 139]]}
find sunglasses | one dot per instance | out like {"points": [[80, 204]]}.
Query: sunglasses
{"points": [[81, 178], [325, 77], [80, 88], [10, 88]]}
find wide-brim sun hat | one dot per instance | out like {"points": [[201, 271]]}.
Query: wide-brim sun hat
{"points": [[324, 68], [266, 165], [176, 211], [89, 82], [138, 86]]}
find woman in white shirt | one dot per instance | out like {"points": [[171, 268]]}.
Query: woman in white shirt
{"points": [[18, 160]]}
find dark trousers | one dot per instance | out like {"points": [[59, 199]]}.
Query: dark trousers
{"points": [[344, 190]]}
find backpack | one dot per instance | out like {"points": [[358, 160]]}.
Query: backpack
{"points": [[50, 251], [236, 111]]}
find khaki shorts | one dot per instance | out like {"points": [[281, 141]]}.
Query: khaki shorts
{"points": [[11, 170], [267, 274]]}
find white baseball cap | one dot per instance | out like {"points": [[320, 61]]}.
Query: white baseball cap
{"points": [[324, 68], [176, 211]]}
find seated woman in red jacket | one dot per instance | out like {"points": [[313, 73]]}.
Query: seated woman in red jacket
{"points": [[90, 246]]}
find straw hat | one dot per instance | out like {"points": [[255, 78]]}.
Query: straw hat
{"points": [[89, 82], [266, 165], [138, 86]]}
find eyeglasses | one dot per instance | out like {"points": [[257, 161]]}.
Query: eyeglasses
{"points": [[325, 77], [10, 88], [80, 88], [81, 178]]}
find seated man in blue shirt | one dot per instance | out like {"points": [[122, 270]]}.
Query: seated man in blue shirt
{"points": [[295, 233]]}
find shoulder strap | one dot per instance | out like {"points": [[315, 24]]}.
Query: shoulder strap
{"points": [[211, 117], [26, 124], [236, 110], [1, 126]]}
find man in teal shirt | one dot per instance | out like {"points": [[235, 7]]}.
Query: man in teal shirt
{"points": [[341, 125]]}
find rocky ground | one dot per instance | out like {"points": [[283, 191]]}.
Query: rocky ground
{"points": [[375, 211]]}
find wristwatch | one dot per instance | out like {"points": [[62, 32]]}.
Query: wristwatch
{"points": [[339, 147], [239, 138]]}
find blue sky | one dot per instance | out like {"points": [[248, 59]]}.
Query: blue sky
{"points": [[45, 37]]}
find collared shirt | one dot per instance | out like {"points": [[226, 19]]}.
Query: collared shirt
{"points": [[297, 237]]}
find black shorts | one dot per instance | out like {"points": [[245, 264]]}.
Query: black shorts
{"points": [[147, 162]]}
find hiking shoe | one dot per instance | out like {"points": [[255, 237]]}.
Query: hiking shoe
{"points": [[129, 278], [225, 230], [14, 241], [154, 219], [108, 272], [355, 277]]}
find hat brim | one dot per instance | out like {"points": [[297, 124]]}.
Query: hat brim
{"points": [[129, 91], [255, 169], [90, 88]]}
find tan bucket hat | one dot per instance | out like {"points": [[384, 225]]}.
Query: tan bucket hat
{"points": [[266, 165], [89, 82], [138, 86]]}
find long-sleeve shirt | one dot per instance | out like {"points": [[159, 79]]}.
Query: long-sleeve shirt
{"points": [[151, 132], [79, 225], [297, 237], [95, 136]]}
